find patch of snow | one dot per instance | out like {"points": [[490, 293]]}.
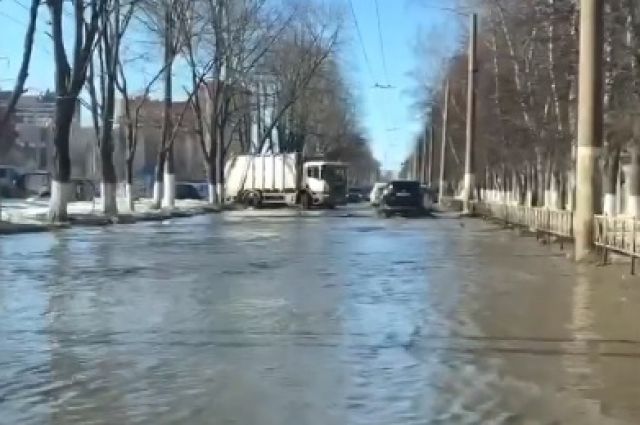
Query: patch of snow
{"points": [[36, 211]]}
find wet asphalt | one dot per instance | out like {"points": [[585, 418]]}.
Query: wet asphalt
{"points": [[272, 318]]}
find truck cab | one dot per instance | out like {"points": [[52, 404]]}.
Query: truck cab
{"points": [[325, 183]]}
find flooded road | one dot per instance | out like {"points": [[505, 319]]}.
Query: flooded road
{"points": [[237, 319]]}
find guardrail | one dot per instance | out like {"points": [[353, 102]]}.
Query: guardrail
{"points": [[540, 220], [617, 234]]}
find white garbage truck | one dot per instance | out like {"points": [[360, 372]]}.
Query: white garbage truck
{"points": [[264, 180]]}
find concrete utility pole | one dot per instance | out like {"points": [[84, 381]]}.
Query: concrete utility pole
{"points": [[443, 143], [432, 140], [589, 124], [469, 166], [424, 173]]}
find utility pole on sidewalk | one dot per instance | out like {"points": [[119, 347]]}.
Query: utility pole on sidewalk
{"points": [[589, 124], [469, 166], [424, 173], [443, 142], [432, 140]]}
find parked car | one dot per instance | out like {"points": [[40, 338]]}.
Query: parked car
{"points": [[8, 176], [187, 191], [202, 187], [81, 190], [354, 195], [33, 183], [430, 197], [376, 193], [404, 197], [366, 193]]}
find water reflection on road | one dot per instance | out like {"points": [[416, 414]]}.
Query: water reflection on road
{"points": [[272, 320]]}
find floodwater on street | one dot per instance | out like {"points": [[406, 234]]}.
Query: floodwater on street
{"points": [[273, 320]]}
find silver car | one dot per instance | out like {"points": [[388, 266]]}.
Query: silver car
{"points": [[376, 193]]}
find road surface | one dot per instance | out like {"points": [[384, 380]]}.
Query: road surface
{"points": [[275, 320]]}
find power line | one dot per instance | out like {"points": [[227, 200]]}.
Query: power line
{"points": [[463, 11], [25, 25], [21, 5], [12, 19], [364, 51], [381, 43]]}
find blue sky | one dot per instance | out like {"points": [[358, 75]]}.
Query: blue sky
{"points": [[386, 115], [416, 37]]}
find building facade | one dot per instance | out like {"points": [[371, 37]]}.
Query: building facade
{"points": [[34, 122]]}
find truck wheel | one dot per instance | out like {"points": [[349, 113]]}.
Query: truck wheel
{"points": [[252, 199], [307, 201], [384, 213]]}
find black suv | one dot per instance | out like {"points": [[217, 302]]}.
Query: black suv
{"points": [[404, 197], [354, 195]]}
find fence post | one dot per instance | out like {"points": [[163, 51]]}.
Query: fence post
{"points": [[633, 247], [506, 215], [606, 239], [561, 227], [571, 224], [549, 227]]}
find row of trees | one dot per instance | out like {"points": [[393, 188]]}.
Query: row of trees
{"points": [[527, 100], [255, 73]]}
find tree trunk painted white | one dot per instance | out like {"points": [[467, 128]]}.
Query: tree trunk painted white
{"points": [[529, 197], [571, 191], [619, 197], [157, 194], [220, 193], [609, 204], [60, 195], [169, 200], [555, 199], [633, 206], [633, 183], [213, 194], [547, 198], [128, 189], [108, 194]]}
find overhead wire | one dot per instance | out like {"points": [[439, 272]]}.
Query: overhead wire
{"points": [[381, 43], [385, 115], [23, 24], [361, 39]]}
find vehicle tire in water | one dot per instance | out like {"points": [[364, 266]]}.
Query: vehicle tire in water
{"points": [[306, 201], [252, 199]]}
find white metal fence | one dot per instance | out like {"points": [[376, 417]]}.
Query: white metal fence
{"points": [[543, 220], [610, 234]]}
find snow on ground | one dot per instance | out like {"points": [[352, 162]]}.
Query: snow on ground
{"points": [[18, 215], [25, 211]]}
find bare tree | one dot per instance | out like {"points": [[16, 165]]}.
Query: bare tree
{"points": [[131, 120], [114, 24], [69, 80], [163, 19], [9, 109], [526, 51]]}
